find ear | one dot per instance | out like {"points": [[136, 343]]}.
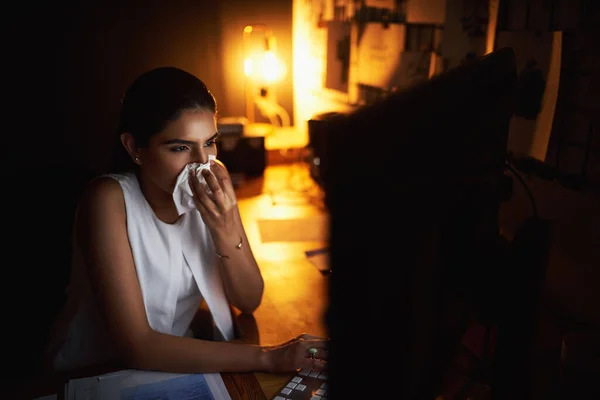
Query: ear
{"points": [[128, 142]]}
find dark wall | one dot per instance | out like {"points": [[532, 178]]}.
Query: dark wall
{"points": [[67, 64]]}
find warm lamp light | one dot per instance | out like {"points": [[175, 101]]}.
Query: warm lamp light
{"points": [[263, 64], [262, 69], [268, 69]]}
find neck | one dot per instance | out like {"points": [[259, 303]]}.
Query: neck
{"points": [[159, 200]]}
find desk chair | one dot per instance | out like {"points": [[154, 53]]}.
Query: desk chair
{"points": [[39, 208]]}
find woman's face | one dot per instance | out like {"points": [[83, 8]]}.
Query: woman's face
{"points": [[190, 138]]}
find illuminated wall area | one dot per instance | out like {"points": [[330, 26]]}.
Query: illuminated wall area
{"points": [[351, 53]]}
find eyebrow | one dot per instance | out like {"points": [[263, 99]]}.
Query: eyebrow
{"points": [[188, 142]]}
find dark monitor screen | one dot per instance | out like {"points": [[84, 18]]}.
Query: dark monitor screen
{"points": [[413, 191]]}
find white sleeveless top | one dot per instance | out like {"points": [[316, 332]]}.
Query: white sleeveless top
{"points": [[176, 266]]}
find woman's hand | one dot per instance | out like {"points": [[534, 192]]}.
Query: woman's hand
{"points": [[294, 354], [217, 207]]}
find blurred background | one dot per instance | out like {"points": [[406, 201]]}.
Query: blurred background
{"points": [[66, 65]]}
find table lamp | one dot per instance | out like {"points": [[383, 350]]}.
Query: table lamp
{"points": [[262, 70]]}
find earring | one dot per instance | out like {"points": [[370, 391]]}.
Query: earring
{"points": [[137, 160]]}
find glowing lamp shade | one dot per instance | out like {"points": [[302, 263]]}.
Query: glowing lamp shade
{"points": [[262, 71], [267, 68]]}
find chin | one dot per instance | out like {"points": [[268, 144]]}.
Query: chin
{"points": [[166, 184], [170, 186]]}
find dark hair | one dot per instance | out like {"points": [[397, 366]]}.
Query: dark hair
{"points": [[154, 99]]}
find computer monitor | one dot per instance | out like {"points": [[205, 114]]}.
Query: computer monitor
{"points": [[413, 189]]}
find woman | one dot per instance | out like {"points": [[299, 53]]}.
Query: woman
{"points": [[142, 265]]}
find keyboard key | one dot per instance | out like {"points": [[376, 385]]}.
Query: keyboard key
{"points": [[315, 397], [313, 374], [291, 385], [300, 387], [304, 371], [286, 390], [296, 379], [320, 392], [324, 386], [279, 398]]}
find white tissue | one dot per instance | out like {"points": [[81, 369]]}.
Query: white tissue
{"points": [[182, 194]]}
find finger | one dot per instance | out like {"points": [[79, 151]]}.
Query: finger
{"points": [[286, 343], [307, 336], [316, 349], [320, 353], [201, 197], [314, 341], [198, 188], [319, 365], [217, 192], [220, 172], [204, 212], [314, 364]]}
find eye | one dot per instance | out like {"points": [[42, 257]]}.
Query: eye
{"points": [[179, 149], [210, 142]]}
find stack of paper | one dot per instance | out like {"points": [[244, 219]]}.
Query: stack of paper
{"points": [[146, 385]]}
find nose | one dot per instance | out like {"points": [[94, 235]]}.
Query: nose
{"points": [[200, 156]]}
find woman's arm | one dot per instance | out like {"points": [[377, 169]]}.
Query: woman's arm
{"points": [[242, 279], [102, 235]]}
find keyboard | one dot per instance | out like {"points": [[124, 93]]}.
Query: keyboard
{"points": [[305, 385]]}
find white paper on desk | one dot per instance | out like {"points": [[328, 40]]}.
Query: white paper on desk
{"points": [[146, 385]]}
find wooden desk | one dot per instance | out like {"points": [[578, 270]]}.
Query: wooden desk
{"points": [[295, 296], [293, 304]]}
